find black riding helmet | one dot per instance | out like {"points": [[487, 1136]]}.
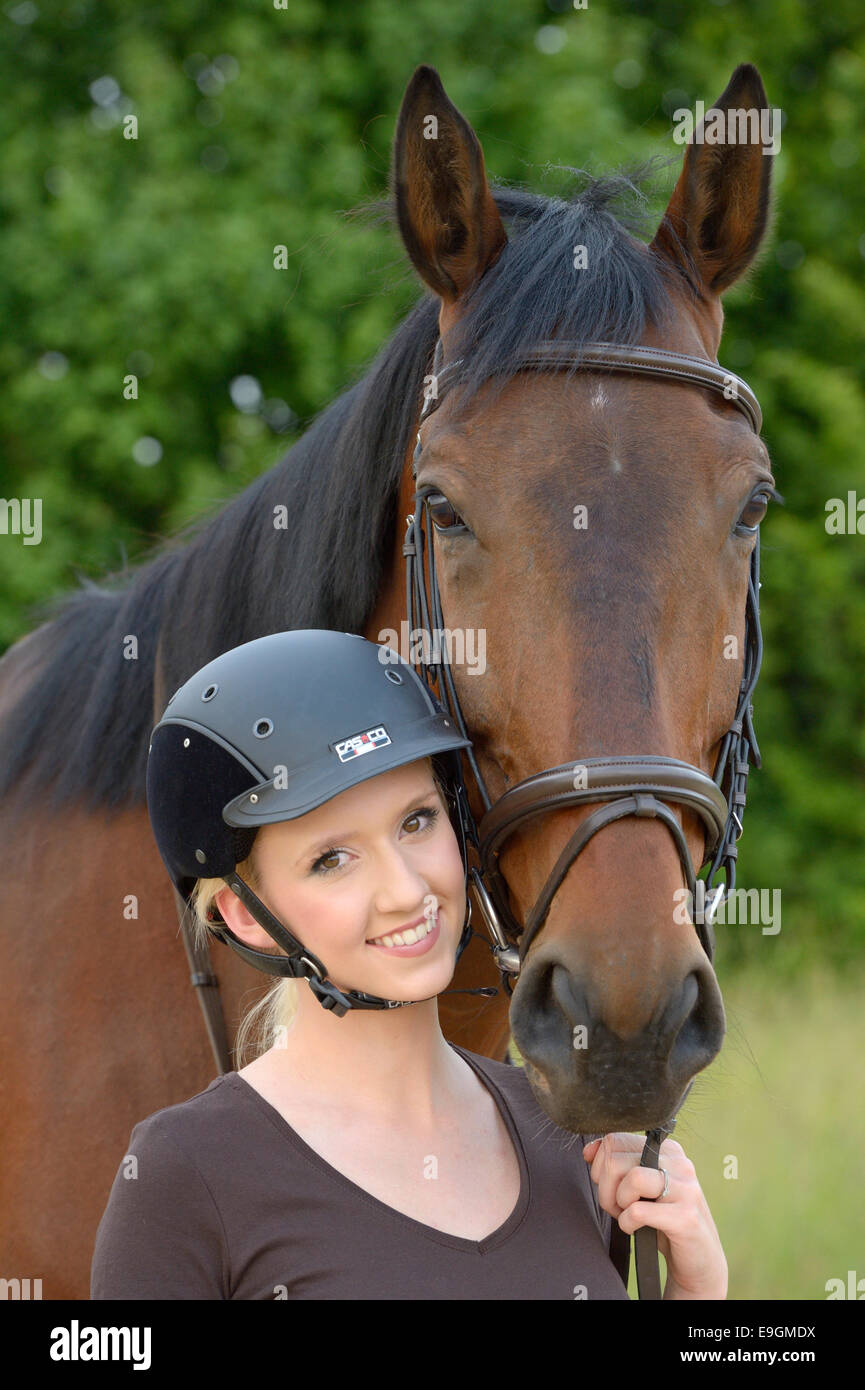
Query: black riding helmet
{"points": [[271, 730]]}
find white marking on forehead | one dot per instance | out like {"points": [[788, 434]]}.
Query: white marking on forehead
{"points": [[599, 400]]}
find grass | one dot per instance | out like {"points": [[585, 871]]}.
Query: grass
{"points": [[776, 1130]]}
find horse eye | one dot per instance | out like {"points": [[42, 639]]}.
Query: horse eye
{"points": [[754, 512], [444, 514]]}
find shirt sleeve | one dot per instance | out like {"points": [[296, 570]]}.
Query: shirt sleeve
{"points": [[161, 1235]]}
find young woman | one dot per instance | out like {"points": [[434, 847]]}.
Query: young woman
{"points": [[315, 781]]}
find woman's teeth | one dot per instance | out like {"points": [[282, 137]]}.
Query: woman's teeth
{"points": [[408, 937]]}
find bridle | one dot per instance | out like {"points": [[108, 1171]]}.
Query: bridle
{"points": [[633, 785]]}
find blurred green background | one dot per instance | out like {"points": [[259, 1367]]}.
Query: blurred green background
{"points": [[260, 127]]}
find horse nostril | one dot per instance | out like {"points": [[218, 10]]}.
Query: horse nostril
{"points": [[702, 1013], [568, 994]]}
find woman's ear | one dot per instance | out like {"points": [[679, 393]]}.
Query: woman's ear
{"points": [[240, 920]]}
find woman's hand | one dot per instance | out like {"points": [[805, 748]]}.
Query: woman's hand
{"points": [[687, 1236]]}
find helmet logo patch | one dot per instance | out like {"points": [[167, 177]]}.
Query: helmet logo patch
{"points": [[361, 743]]}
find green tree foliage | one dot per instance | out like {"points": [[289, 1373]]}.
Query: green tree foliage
{"points": [[259, 127]]}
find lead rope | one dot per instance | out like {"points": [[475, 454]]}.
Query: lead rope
{"points": [[646, 1258]]}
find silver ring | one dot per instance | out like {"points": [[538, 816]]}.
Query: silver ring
{"points": [[666, 1182]]}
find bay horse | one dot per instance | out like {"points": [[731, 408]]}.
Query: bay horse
{"points": [[601, 641]]}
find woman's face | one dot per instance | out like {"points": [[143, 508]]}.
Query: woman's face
{"points": [[380, 858]]}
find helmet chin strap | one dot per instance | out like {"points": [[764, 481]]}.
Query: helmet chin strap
{"points": [[299, 963]]}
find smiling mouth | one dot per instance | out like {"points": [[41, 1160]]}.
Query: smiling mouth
{"points": [[410, 936]]}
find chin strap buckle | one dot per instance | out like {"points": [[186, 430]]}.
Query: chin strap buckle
{"points": [[329, 997]]}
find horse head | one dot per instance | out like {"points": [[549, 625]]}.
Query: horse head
{"points": [[595, 531]]}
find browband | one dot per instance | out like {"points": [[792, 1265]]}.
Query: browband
{"points": [[618, 357]]}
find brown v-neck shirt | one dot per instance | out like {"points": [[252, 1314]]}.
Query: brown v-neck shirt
{"points": [[230, 1203]]}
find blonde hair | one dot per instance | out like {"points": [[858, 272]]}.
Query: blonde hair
{"points": [[267, 1022]]}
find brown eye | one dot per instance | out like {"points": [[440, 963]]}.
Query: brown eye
{"points": [[428, 814], [444, 514], [754, 512], [322, 866]]}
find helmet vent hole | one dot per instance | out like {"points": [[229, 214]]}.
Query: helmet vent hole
{"points": [[394, 676], [262, 728], [209, 693]]}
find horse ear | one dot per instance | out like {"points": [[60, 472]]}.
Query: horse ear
{"points": [[718, 213], [447, 216]]}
